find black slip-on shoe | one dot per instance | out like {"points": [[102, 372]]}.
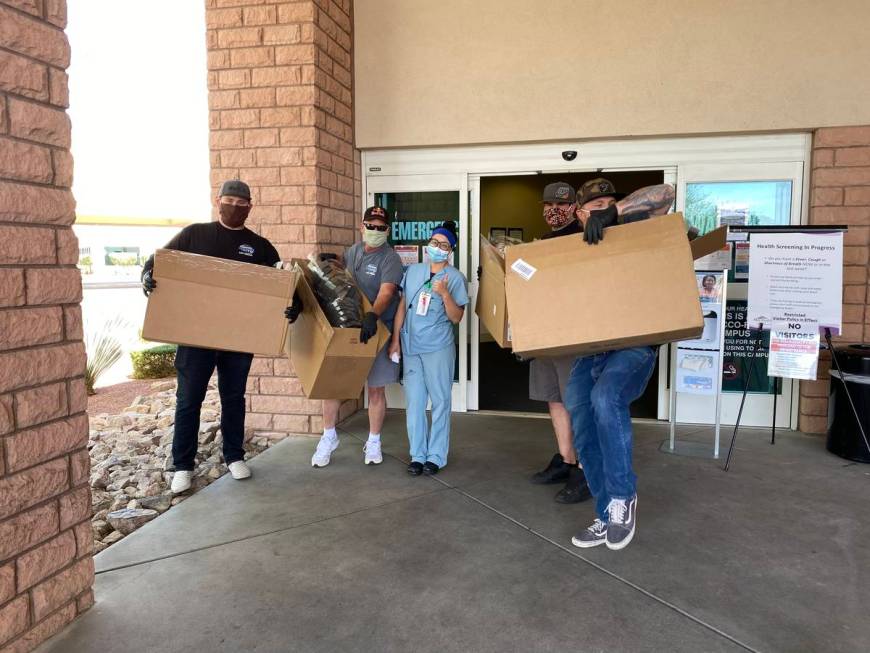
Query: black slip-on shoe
{"points": [[430, 469], [556, 472], [415, 469], [576, 489]]}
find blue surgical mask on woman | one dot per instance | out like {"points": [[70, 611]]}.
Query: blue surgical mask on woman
{"points": [[436, 254]]}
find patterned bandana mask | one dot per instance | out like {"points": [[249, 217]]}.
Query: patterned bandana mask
{"points": [[557, 217]]}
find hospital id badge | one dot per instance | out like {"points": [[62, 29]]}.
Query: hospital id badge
{"points": [[423, 303]]}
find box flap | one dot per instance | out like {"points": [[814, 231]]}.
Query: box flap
{"points": [[709, 243], [206, 270], [491, 305]]}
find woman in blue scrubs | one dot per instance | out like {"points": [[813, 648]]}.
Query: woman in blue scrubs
{"points": [[434, 295]]}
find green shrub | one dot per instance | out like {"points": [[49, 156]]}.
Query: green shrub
{"points": [[154, 363], [103, 350]]}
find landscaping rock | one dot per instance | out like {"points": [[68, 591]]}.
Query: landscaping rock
{"points": [[128, 520]]}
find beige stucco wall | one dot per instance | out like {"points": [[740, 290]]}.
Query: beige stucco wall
{"points": [[432, 72]]}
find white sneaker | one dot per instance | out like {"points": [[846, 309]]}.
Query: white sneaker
{"points": [[324, 450], [181, 481], [240, 470], [373, 452]]}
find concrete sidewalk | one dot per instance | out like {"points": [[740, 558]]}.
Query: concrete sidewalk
{"points": [[771, 556]]}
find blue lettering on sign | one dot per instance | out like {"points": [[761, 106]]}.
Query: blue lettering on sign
{"points": [[410, 231]]}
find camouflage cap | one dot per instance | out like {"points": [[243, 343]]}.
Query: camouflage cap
{"points": [[559, 192], [595, 188], [236, 188]]}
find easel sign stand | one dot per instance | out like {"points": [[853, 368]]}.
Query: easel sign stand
{"points": [[775, 300], [698, 449]]}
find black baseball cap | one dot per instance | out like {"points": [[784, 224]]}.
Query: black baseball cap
{"points": [[236, 188], [595, 188], [377, 213], [559, 192]]}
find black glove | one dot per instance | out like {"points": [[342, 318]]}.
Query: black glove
{"points": [[369, 327], [148, 283], [597, 222], [327, 256], [479, 272], [292, 312]]}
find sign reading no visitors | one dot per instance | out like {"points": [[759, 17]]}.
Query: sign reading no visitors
{"points": [[796, 279]]}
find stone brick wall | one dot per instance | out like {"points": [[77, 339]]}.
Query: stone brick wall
{"points": [[281, 118], [46, 571], [840, 182]]}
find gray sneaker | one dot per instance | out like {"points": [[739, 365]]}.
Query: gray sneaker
{"points": [[621, 523], [592, 536]]}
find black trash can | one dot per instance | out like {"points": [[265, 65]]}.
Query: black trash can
{"points": [[844, 438]]}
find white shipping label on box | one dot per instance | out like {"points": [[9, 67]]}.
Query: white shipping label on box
{"points": [[794, 353], [796, 278], [523, 269]]}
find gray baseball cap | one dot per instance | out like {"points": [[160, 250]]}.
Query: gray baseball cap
{"points": [[236, 188], [559, 192]]}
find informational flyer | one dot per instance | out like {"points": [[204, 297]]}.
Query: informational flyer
{"points": [[794, 353], [797, 278], [410, 254], [697, 371], [720, 260], [741, 260]]}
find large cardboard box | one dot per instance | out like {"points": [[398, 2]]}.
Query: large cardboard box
{"points": [[491, 305], [637, 287], [202, 301], [331, 362]]}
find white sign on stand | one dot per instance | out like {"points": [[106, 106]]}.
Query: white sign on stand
{"points": [[696, 365], [796, 279], [794, 353]]}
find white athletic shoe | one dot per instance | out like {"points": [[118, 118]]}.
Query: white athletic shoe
{"points": [[240, 470], [324, 450], [181, 481], [373, 453]]}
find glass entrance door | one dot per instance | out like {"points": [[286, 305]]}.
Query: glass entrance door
{"points": [[419, 203], [741, 194]]}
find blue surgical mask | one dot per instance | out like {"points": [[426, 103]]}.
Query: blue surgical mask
{"points": [[436, 254]]}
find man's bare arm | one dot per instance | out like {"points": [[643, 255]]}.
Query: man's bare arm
{"points": [[655, 200]]}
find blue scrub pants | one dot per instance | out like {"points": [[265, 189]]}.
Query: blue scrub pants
{"points": [[429, 376]]}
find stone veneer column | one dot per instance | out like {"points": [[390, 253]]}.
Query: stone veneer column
{"points": [[46, 543], [840, 184], [280, 115]]}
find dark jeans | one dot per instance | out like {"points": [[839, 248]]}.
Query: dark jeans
{"points": [[599, 394], [195, 367]]}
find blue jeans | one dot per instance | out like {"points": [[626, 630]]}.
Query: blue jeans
{"points": [[429, 376], [195, 366], [599, 393]]}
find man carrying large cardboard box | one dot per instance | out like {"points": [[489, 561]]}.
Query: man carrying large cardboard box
{"points": [[227, 238], [377, 270], [602, 386]]}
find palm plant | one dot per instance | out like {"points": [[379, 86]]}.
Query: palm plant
{"points": [[103, 349]]}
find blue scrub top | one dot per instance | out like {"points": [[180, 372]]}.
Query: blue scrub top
{"points": [[423, 334]]}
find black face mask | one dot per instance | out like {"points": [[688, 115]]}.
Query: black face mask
{"points": [[234, 216]]}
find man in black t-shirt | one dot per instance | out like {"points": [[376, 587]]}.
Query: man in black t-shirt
{"points": [[226, 238]]}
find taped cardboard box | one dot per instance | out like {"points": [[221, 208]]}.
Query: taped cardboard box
{"points": [[202, 301], [331, 362], [637, 287], [491, 306]]}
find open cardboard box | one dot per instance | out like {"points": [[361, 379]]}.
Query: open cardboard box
{"points": [[491, 306], [331, 362], [202, 301], [636, 287]]}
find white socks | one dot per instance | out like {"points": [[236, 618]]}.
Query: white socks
{"points": [[374, 437]]}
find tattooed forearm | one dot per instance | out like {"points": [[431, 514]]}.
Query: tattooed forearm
{"points": [[655, 200]]}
